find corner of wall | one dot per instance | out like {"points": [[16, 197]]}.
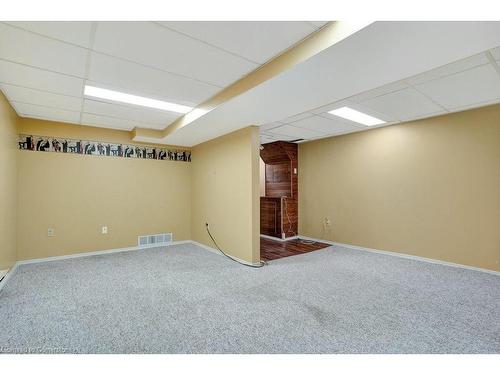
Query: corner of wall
{"points": [[225, 192], [9, 122]]}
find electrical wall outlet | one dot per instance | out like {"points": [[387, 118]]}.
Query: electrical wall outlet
{"points": [[51, 232], [104, 230]]}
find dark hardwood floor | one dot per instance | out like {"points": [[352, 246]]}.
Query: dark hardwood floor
{"points": [[271, 250]]}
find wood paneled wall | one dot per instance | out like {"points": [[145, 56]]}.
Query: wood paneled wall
{"points": [[280, 216], [278, 179], [270, 216]]}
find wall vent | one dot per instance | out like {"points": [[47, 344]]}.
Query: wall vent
{"points": [[154, 239]]}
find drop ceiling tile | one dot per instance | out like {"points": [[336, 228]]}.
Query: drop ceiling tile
{"points": [[26, 76], [298, 117], [266, 139], [140, 80], [156, 46], [326, 125], [46, 113], [278, 137], [76, 32], [27, 48], [113, 123], [466, 88], [496, 53], [448, 69], [30, 96], [331, 106], [295, 132], [131, 113], [427, 115], [257, 41], [402, 105], [477, 105], [382, 90], [270, 126]]}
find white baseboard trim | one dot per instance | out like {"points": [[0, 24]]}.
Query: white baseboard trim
{"points": [[279, 239], [3, 273], [213, 250], [110, 251], [81, 255], [99, 252], [11, 272], [8, 275], [402, 255]]}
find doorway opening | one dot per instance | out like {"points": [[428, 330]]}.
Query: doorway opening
{"points": [[279, 202]]}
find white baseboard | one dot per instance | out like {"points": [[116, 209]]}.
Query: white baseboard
{"points": [[81, 255], [110, 251], [213, 250], [402, 255], [279, 239], [8, 275], [11, 272], [99, 252]]}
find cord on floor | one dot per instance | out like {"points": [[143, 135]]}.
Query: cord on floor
{"points": [[260, 265], [307, 242]]}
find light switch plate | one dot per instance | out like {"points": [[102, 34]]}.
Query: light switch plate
{"points": [[51, 232], [104, 230]]}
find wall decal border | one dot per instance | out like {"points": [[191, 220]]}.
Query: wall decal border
{"points": [[99, 148]]}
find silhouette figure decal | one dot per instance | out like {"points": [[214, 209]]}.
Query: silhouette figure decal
{"points": [[97, 148]]}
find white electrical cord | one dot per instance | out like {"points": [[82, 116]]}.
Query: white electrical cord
{"points": [[288, 217], [307, 242]]}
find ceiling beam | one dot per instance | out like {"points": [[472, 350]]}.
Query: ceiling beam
{"points": [[322, 39]]}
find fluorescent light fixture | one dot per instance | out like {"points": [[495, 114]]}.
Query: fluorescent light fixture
{"points": [[356, 116], [121, 97]]}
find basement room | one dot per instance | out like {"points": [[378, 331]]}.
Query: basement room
{"points": [[249, 186]]}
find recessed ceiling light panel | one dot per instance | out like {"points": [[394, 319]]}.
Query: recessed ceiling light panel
{"points": [[116, 96], [356, 116]]}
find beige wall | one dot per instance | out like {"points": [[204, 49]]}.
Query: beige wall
{"points": [[262, 177], [8, 183], [78, 194], [225, 193], [429, 188]]}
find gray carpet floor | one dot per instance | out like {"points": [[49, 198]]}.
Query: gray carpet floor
{"points": [[184, 299]]}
